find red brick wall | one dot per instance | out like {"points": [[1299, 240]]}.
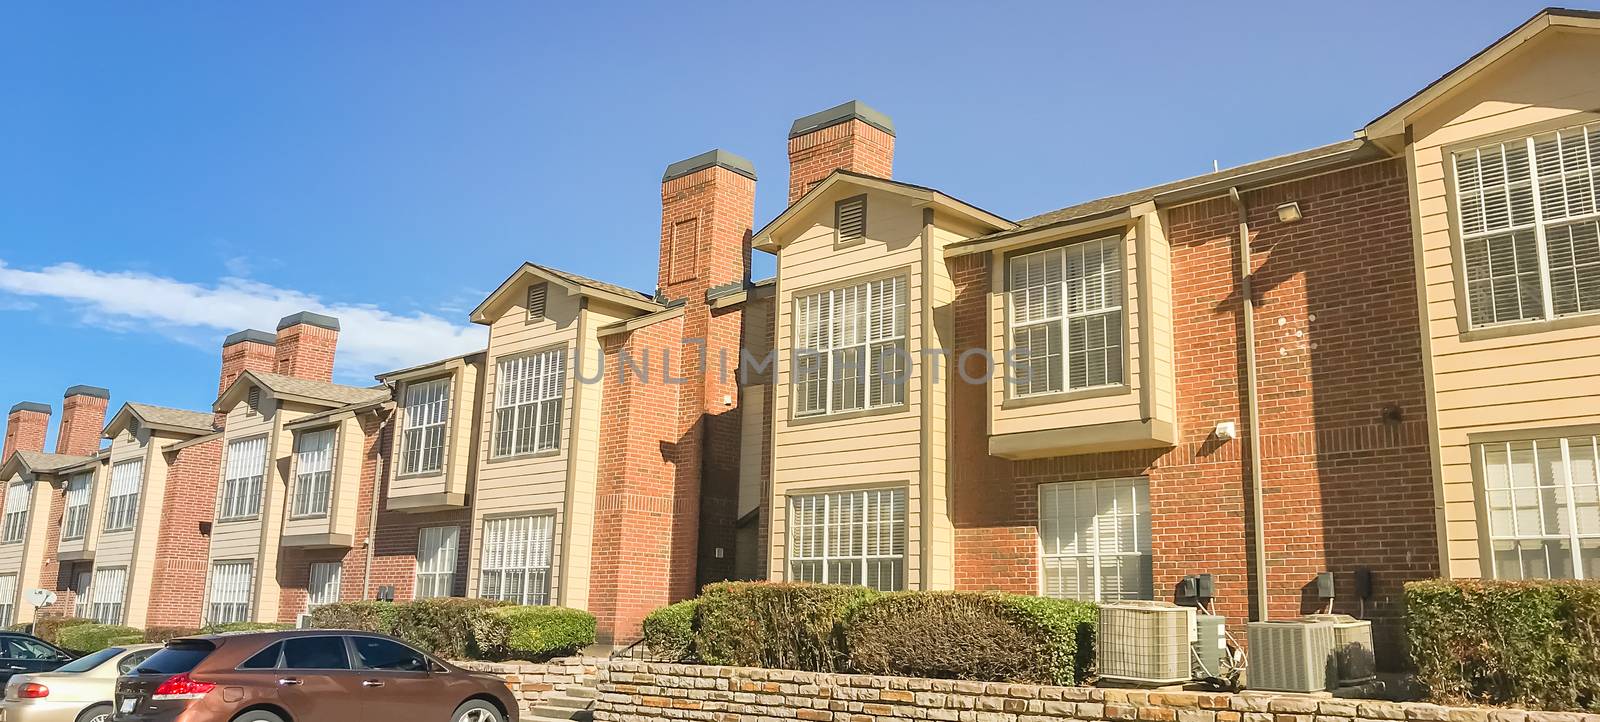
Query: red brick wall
{"points": [[238, 358], [852, 145], [178, 582], [82, 418], [50, 574], [1344, 489], [25, 431], [306, 351]]}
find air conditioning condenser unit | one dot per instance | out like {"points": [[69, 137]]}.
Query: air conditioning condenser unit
{"points": [[1146, 643]]}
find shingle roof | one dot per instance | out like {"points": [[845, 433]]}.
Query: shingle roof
{"points": [[323, 390], [197, 420], [41, 461], [592, 283]]}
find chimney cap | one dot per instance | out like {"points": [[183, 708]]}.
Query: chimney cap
{"points": [[310, 319], [251, 335], [31, 406], [714, 157], [843, 112], [85, 390]]}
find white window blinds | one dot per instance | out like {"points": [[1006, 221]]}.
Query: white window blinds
{"points": [[75, 519], [240, 495], [1066, 318], [1544, 507], [850, 348], [122, 494], [15, 524], [313, 472], [849, 537], [323, 587], [1094, 538], [517, 554], [8, 599], [426, 408], [106, 593], [230, 592], [436, 560], [529, 389]]}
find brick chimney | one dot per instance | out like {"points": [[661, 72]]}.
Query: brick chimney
{"points": [[851, 136], [83, 415], [247, 350], [26, 426], [707, 206], [306, 342]]}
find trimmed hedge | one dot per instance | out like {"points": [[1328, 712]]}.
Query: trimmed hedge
{"points": [[94, 637], [365, 616], [162, 634], [533, 633], [972, 635], [233, 627], [49, 628], [1533, 644], [445, 626], [669, 631], [773, 624]]}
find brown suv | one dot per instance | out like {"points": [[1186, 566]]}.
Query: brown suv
{"points": [[307, 675]]}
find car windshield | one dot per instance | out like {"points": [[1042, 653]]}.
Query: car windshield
{"points": [[84, 664]]}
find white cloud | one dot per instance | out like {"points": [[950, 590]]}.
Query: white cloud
{"points": [[370, 340]]}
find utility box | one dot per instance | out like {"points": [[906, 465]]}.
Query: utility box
{"points": [[1210, 645]]}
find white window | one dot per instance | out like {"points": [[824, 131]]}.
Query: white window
{"points": [[527, 416], [849, 537], [427, 407], [1094, 538], [850, 348], [1544, 507], [1530, 231], [313, 476], [122, 495], [240, 495], [230, 592], [75, 520], [14, 526], [8, 599], [1066, 318], [324, 584], [516, 559], [82, 603], [436, 560], [106, 594]]}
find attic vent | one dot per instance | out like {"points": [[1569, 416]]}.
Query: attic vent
{"points": [[537, 293], [133, 425], [253, 401], [850, 221]]}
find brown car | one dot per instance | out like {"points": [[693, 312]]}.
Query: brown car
{"points": [[307, 675]]}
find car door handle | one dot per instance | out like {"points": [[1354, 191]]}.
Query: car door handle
{"points": [[372, 683], [19, 669], [289, 682]]}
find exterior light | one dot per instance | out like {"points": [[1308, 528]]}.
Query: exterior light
{"points": [[1289, 212]]}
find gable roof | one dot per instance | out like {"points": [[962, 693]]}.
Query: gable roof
{"points": [[763, 239], [288, 387], [574, 283], [38, 462], [1393, 121], [196, 422]]}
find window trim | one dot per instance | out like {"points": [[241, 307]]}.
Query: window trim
{"points": [[338, 582], [249, 594], [1038, 528], [1002, 281], [787, 361], [67, 507], [333, 473], [8, 605], [1466, 331], [1480, 486], [449, 380], [787, 501], [138, 495], [26, 514], [455, 561], [222, 478], [552, 578], [121, 604], [567, 377]]}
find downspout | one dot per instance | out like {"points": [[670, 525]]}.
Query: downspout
{"points": [[1253, 438], [377, 497]]}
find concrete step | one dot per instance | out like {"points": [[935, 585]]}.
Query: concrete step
{"points": [[580, 691], [567, 701], [552, 712]]}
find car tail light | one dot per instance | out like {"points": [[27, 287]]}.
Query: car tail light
{"points": [[181, 686], [32, 690]]}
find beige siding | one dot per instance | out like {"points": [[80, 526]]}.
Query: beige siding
{"points": [[461, 432], [142, 539], [345, 491], [585, 455], [1543, 377], [26, 558], [99, 477]]}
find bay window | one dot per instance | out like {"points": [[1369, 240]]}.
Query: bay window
{"points": [[313, 478], [427, 404], [1066, 322], [850, 348], [75, 519]]}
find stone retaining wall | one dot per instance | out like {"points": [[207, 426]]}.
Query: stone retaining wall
{"points": [[634, 691], [534, 682]]}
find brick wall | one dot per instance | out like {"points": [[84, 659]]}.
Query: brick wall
{"points": [[52, 574], [83, 415], [1337, 342], [178, 581], [241, 356], [532, 683], [852, 145], [25, 431], [306, 351]]}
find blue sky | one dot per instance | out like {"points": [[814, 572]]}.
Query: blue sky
{"points": [[172, 172]]}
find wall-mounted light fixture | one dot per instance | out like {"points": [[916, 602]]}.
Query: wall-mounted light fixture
{"points": [[1289, 212], [1227, 431]]}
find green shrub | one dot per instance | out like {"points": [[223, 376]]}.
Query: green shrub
{"points": [[533, 633], [972, 635], [669, 631], [778, 625], [127, 641], [49, 628], [1533, 644], [234, 627], [446, 626], [94, 637], [366, 616], [162, 634]]}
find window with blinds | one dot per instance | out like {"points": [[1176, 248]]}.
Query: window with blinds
{"points": [[14, 525], [538, 297], [1094, 538], [1530, 226], [1544, 507], [1066, 318], [8, 599], [849, 537], [106, 595], [850, 221], [527, 415], [122, 495], [427, 405], [229, 599], [75, 518], [240, 494], [83, 586], [517, 553], [436, 560], [313, 476], [323, 587], [850, 348]]}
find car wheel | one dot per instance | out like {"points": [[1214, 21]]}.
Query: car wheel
{"points": [[477, 710], [97, 713], [258, 715]]}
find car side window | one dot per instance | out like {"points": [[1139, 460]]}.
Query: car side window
{"points": [[384, 654], [24, 648], [264, 659], [126, 664], [315, 653]]}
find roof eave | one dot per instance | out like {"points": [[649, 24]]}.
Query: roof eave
{"points": [[764, 239], [480, 314]]}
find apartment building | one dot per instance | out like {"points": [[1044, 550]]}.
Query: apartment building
{"points": [[1372, 360]]}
